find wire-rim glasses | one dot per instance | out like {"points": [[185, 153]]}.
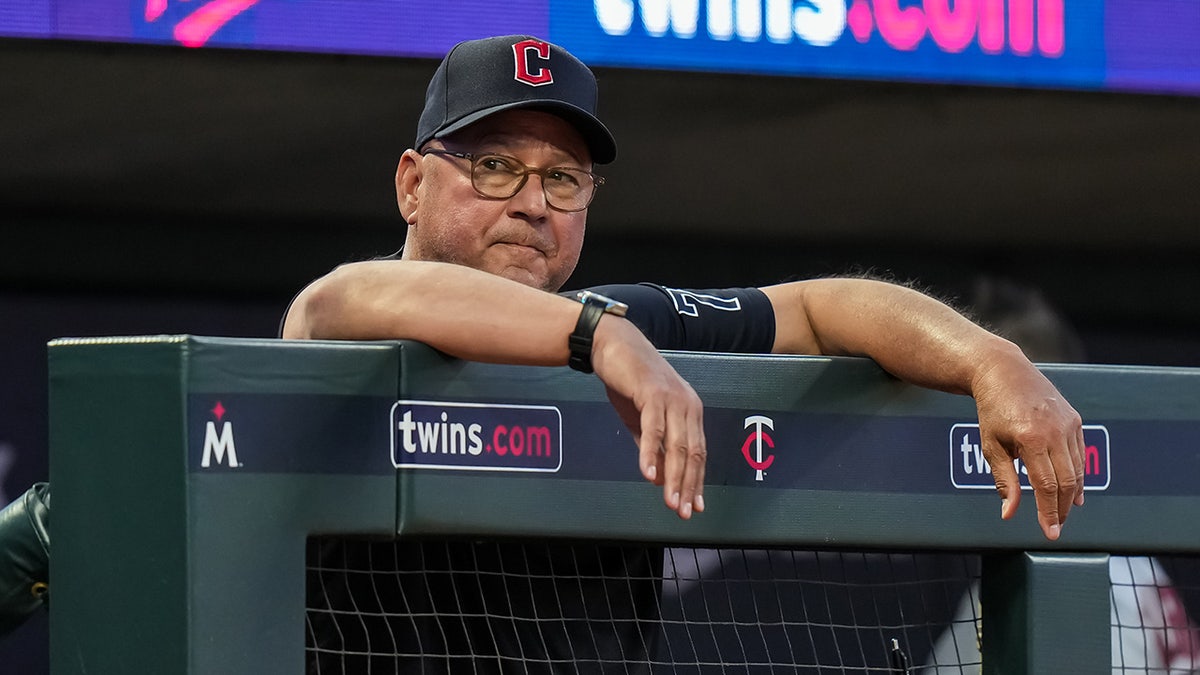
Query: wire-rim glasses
{"points": [[495, 176]]}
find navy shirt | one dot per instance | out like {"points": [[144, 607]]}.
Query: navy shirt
{"points": [[726, 320], [501, 607], [729, 320]]}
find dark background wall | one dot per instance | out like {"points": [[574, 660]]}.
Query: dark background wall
{"points": [[162, 190], [137, 170]]}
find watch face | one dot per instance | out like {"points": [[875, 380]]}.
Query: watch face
{"points": [[610, 306]]}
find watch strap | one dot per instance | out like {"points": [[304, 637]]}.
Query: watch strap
{"points": [[580, 342]]}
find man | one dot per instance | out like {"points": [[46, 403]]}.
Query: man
{"points": [[495, 192], [478, 273]]}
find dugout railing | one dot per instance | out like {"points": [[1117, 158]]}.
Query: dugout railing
{"points": [[189, 472]]}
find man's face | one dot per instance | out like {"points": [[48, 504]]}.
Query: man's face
{"points": [[520, 238]]}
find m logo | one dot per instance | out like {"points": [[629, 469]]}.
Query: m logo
{"points": [[756, 439], [221, 446], [525, 50]]}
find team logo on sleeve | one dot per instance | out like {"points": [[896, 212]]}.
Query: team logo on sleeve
{"points": [[688, 303], [534, 75]]}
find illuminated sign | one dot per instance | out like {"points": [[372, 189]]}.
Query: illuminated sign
{"points": [[389, 27], [1128, 45], [475, 436], [970, 471], [1017, 42]]}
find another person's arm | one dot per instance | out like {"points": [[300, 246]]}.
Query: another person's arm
{"points": [[922, 341], [477, 316]]}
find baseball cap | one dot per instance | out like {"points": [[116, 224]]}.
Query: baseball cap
{"points": [[483, 77]]}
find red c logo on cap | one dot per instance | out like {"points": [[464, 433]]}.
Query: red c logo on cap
{"points": [[521, 54]]}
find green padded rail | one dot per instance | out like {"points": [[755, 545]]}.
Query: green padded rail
{"points": [[188, 472]]}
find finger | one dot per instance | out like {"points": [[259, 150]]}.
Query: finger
{"points": [[1068, 470], [1081, 452], [692, 484], [1046, 492], [655, 471], [702, 463], [1005, 476], [676, 461], [650, 442]]}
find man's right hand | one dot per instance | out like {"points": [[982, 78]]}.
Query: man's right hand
{"points": [[662, 410], [442, 304]]}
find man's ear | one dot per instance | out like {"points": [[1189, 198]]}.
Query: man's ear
{"points": [[408, 179]]}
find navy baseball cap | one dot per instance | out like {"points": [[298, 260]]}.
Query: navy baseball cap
{"points": [[483, 77]]}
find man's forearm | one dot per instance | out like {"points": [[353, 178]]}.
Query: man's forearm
{"points": [[480, 317], [458, 310], [922, 341], [911, 335]]}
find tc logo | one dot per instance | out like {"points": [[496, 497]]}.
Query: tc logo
{"points": [[756, 439], [221, 446], [522, 52]]}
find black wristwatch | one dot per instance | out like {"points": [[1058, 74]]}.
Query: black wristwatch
{"points": [[580, 342]]}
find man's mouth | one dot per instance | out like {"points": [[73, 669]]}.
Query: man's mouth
{"points": [[526, 249]]}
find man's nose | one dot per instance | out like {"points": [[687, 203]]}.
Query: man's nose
{"points": [[530, 200]]}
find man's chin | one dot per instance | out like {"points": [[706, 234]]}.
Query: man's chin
{"points": [[522, 264], [526, 276]]}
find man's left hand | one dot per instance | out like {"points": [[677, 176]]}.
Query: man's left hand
{"points": [[1023, 416]]}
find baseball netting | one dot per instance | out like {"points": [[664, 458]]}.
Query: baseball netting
{"points": [[541, 607]]}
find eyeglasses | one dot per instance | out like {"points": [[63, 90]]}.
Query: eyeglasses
{"points": [[500, 177]]}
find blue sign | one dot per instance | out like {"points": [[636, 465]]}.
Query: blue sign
{"points": [[1012, 42], [573, 440], [476, 436], [970, 471], [1127, 45]]}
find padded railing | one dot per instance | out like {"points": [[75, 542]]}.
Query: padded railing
{"points": [[188, 473]]}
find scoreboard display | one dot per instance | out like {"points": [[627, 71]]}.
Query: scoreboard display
{"points": [[1148, 46]]}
